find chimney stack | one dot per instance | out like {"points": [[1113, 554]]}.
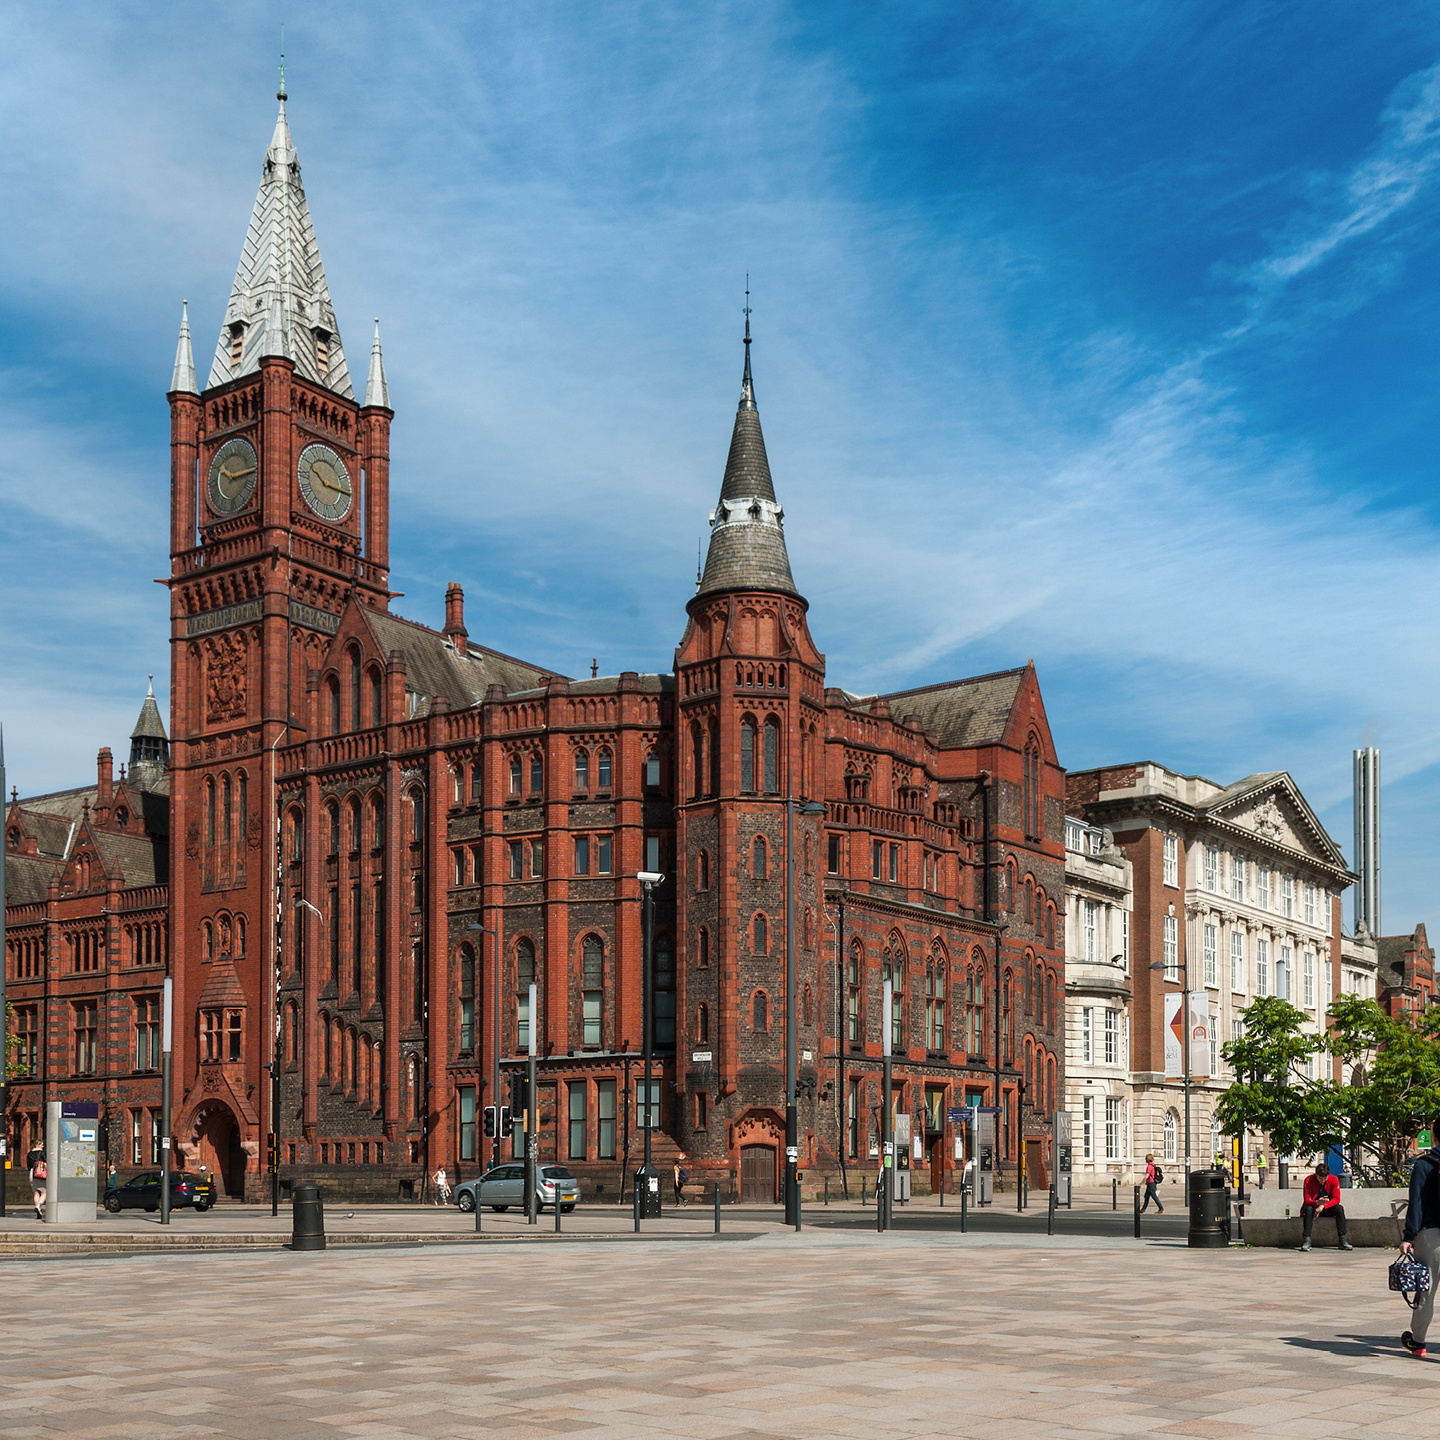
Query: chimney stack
{"points": [[455, 630], [1367, 840], [104, 782]]}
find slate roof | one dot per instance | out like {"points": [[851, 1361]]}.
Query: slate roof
{"points": [[27, 879], [377, 392], [222, 987], [140, 859], [963, 712], [280, 293], [182, 378], [434, 667], [149, 725], [747, 527]]}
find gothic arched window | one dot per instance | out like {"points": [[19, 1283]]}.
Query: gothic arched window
{"points": [[772, 758], [747, 757]]}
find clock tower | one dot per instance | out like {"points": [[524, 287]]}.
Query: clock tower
{"points": [[279, 522]]}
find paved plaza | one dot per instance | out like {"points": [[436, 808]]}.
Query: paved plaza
{"points": [[835, 1332]]}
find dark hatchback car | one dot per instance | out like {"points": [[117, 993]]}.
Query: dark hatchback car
{"points": [[142, 1192]]}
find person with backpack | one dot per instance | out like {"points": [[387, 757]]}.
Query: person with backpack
{"points": [[1322, 1197], [39, 1173], [682, 1179], [1154, 1178], [1422, 1239]]}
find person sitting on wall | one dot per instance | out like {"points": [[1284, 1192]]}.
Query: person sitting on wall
{"points": [[1322, 1197]]}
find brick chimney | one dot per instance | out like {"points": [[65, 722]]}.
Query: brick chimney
{"points": [[455, 630], [104, 783]]}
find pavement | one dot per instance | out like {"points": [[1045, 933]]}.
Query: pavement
{"points": [[836, 1331]]}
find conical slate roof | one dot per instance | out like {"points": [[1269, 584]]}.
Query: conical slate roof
{"points": [[149, 726], [280, 284], [747, 528], [182, 378], [377, 392]]}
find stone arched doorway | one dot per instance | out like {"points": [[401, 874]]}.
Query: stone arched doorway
{"points": [[217, 1146]]}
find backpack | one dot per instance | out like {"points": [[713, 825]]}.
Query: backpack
{"points": [[1159, 1175], [40, 1171], [684, 1176]]}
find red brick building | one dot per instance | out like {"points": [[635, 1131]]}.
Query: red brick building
{"points": [[360, 801], [1405, 972]]}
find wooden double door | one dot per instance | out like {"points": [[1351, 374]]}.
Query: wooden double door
{"points": [[757, 1174]]}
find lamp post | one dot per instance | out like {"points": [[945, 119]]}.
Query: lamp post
{"points": [[1184, 1055], [494, 1051], [887, 1143], [792, 1118], [164, 1104], [648, 879], [532, 1122]]}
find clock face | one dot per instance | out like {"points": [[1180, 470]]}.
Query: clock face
{"points": [[232, 477], [324, 481]]}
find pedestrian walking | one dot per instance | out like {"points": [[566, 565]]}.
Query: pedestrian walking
{"points": [[1154, 1177], [442, 1188], [681, 1178], [39, 1178], [1260, 1168], [1422, 1239], [1322, 1197]]}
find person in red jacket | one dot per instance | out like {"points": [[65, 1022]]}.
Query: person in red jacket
{"points": [[1322, 1197]]}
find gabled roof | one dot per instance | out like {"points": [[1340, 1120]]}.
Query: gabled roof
{"points": [[27, 879], [962, 713], [1243, 793], [222, 987], [433, 666], [280, 295], [140, 859]]}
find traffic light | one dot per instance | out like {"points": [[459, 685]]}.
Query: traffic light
{"points": [[490, 1122], [519, 1097], [507, 1124], [274, 1152]]}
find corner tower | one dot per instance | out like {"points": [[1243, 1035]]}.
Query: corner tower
{"points": [[749, 687], [279, 521]]}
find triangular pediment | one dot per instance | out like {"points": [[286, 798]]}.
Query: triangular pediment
{"points": [[1272, 809]]}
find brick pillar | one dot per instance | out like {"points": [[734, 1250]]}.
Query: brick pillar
{"points": [[185, 420]]}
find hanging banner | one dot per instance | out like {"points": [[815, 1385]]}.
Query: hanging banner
{"points": [[1175, 1035]]}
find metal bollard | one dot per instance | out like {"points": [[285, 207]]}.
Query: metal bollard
{"points": [[799, 1205], [637, 1209], [942, 1189], [307, 1217], [827, 1189], [863, 1201], [1114, 1193], [964, 1208], [717, 1209], [557, 1207], [1137, 1212], [1052, 1211]]}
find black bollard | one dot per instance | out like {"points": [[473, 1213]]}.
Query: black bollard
{"points": [[1114, 1193], [863, 1200], [827, 1189], [942, 1189], [717, 1208], [1137, 1212], [799, 1202], [964, 1208], [307, 1212], [557, 1207], [1052, 1210], [637, 1209]]}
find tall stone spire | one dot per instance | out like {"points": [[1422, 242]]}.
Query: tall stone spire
{"points": [[183, 377], [149, 745], [376, 391], [280, 302], [747, 528]]}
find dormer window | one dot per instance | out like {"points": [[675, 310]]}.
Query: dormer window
{"points": [[237, 340], [122, 817], [322, 350], [14, 838]]}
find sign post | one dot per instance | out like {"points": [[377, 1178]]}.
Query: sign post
{"points": [[165, 1103]]}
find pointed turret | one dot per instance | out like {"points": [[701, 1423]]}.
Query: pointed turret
{"points": [[183, 378], [149, 745], [280, 301], [376, 391], [747, 528]]}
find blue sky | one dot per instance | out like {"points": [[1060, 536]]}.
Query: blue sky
{"points": [[1095, 333]]}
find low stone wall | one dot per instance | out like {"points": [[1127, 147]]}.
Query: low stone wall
{"points": [[1372, 1218]]}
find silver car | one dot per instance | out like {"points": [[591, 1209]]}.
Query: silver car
{"points": [[504, 1185]]}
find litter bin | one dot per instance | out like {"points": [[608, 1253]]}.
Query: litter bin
{"points": [[647, 1187], [1209, 1210], [307, 1218]]}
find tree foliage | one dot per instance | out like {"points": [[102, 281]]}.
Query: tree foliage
{"points": [[12, 1042], [1270, 1092]]}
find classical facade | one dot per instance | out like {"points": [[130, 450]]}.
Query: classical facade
{"points": [[1098, 898], [87, 945], [385, 833], [1235, 887]]}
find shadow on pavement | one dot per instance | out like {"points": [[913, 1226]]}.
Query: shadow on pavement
{"points": [[1360, 1347]]}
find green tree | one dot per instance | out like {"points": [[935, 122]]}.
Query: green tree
{"points": [[1270, 1092], [12, 1042], [1392, 1065]]}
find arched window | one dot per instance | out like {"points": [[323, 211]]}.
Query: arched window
{"points": [[1029, 901], [592, 1001], [663, 992], [297, 834], [602, 769], [893, 963], [762, 936], [582, 770], [207, 941], [805, 1009], [515, 774], [747, 757], [772, 758], [1034, 828], [1172, 1130], [239, 937], [703, 871], [332, 687], [417, 816], [467, 998], [457, 785], [1007, 1017], [537, 772], [476, 783], [759, 1013], [524, 978], [1050, 926], [935, 1005], [354, 835], [377, 697], [702, 957], [809, 856], [1012, 897], [702, 1025], [1049, 1001], [224, 807], [805, 937], [209, 811], [714, 757], [853, 1031], [332, 824], [377, 822], [757, 858], [697, 744], [652, 770], [460, 865], [356, 722]]}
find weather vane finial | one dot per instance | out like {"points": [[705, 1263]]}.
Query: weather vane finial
{"points": [[747, 307], [281, 94]]}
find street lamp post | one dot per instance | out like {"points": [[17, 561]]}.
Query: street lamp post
{"points": [[887, 1142], [792, 1118], [494, 1069], [648, 879], [1184, 1055]]}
